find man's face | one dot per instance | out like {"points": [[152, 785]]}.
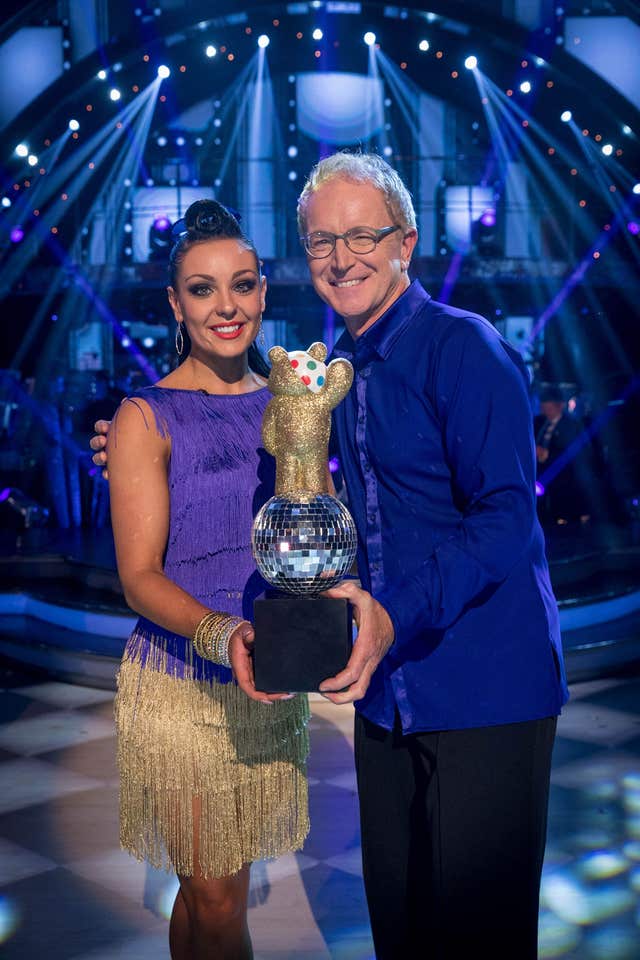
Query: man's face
{"points": [[552, 409], [360, 287]]}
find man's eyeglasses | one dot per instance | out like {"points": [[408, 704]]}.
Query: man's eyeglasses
{"points": [[321, 244]]}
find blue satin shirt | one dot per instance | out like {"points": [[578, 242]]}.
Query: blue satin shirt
{"points": [[436, 446]]}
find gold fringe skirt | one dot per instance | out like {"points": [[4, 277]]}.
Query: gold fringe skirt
{"points": [[209, 779]]}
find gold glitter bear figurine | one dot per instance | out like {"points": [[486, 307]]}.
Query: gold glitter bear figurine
{"points": [[297, 421]]}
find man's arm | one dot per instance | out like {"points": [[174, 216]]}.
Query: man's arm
{"points": [[484, 412]]}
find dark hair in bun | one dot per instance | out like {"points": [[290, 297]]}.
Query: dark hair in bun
{"points": [[205, 220], [209, 220]]}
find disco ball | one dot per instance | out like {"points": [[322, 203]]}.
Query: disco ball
{"points": [[303, 543]]}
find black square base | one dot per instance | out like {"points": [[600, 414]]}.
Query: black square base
{"points": [[300, 641]]}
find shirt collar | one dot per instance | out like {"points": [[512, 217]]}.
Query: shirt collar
{"points": [[382, 335]]}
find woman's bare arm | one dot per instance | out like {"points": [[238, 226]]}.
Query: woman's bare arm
{"points": [[139, 492]]}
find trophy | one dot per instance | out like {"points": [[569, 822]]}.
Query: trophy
{"points": [[303, 539]]}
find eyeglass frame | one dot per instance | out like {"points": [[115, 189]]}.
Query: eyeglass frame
{"points": [[380, 234]]}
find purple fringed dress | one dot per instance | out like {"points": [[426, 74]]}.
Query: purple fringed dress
{"points": [[196, 756]]}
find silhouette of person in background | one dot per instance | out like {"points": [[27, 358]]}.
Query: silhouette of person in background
{"points": [[566, 497]]}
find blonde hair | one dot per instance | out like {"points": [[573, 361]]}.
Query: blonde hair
{"points": [[361, 168]]}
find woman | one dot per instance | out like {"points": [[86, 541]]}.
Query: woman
{"points": [[211, 778]]}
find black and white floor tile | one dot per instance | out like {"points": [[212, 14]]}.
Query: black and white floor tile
{"points": [[68, 893]]}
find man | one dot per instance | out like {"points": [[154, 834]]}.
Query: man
{"points": [[456, 672]]}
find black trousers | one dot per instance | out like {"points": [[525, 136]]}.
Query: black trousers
{"points": [[453, 835]]}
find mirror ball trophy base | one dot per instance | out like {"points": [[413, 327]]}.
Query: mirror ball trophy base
{"points": [[300, 641]]}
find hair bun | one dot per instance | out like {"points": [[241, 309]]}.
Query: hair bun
{"points": [[209, 216]]}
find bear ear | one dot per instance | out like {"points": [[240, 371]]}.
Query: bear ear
{"points": [[317, 350], [277, 354]]}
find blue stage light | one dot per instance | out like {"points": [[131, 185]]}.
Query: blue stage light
{"points": [[163, 72], [471, 63], [263, 41], [565, 116], [369, 38]]}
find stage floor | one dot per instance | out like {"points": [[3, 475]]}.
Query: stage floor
{"points": [[68, 893]]}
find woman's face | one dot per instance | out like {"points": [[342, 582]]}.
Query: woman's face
{"points": [[219, 296]]}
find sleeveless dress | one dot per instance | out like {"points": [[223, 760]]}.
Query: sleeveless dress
{"points": [[197, 758]]}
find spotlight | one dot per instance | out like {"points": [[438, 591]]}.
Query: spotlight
{"points": [[180, 141], [293, 175], [74, 125], [636, 188], [633, 227], [161, 141], [22, 150], [485, 234], [471, 63], [423, 45], [160, 238], [369, 38], [525, 86], [114, 94], [148, 342], [565, 116], [6, 202], [32, 160], [626, 129], [211, 51], [317, 34], [292, 151], [102, 74], [17, 235], [387, 151], [263, 41], [607, 149], [163, 72]]}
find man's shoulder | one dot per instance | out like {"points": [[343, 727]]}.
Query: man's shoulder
{"points": [[442, 322], [446, 315]]}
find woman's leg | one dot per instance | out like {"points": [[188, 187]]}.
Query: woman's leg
{"points": [[217, 917], [180, 945], [210, 914]]}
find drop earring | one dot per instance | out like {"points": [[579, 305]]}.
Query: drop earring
{"points": [[179, 340], [262, 340]]}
